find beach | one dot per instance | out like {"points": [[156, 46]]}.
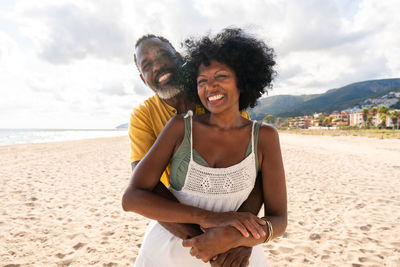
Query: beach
{"points": [[61, 203]]}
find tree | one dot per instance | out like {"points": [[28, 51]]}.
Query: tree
{"points": [[269, 119], [278, 121], [394, 116], [327, 121], [383, 120], [373, 111], [321, 120], [369, 120], [285, 124], [364, 114], [383, 109]]}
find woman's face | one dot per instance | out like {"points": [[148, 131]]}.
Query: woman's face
{"points": [[217, 87]]}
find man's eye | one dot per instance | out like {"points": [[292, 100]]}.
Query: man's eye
{"points": [[146, 67], [202, 81]]}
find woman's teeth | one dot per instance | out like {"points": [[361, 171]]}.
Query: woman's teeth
{"points": [[215, 97]]}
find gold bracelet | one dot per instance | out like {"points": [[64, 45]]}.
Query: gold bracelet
{"points": [[270, 229]]}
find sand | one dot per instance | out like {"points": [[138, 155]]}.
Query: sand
{"points": [[61, 203]]}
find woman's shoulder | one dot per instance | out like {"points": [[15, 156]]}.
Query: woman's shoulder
{"points": [[267, 134], [175, 124]]}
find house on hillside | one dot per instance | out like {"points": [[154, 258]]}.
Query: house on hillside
{"points": [[340, 118]]}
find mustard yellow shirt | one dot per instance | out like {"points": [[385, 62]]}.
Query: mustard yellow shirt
{"points": [[146, 122]]}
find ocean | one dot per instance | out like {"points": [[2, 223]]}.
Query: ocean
{"points": [[26, 136]]}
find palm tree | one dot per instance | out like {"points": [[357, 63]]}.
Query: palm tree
{"points": [[373, 111], [394, 116], [383, 120], [364, 114], [383, 110], [369, 120]]}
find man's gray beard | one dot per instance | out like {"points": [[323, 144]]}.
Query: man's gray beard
{"points": [[168, 93]]}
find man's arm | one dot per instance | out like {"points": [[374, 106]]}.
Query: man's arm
{"points": [[181, 230]]}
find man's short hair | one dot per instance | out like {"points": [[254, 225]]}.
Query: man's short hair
{"points": [[150, 36]]}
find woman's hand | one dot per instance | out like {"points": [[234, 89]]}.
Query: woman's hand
{"points": [[244, 222]]}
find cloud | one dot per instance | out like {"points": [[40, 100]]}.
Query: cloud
{"points": [[74, 32], [74, 59]]}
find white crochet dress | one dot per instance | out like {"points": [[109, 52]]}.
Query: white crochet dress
{"points": [[216, 189]]}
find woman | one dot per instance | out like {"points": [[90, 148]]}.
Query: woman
{"points": [[214, 157]]}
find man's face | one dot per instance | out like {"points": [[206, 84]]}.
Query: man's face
{"points": [[158, 64]]}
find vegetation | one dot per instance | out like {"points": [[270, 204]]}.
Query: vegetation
{"points": [[372, 133], [336, 99]]}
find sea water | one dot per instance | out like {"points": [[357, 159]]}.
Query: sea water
{"points": [[25, 136]]}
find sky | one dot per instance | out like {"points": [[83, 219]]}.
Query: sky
{"points": [[69, 63]]}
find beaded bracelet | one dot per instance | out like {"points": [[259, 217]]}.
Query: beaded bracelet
{"points": [[270, 230]]}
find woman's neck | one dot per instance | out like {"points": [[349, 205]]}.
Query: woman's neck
{"points": [[226, 120]]}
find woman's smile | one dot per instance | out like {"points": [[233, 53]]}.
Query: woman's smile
{"points": [[216, 87]]}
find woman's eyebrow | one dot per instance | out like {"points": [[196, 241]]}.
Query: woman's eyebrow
{"points": [[220, 70]]}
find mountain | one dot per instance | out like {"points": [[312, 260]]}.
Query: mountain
{"points": [[122, 126], [334, 99]]}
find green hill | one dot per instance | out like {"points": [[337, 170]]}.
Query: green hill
{"points": [[335, 99]]}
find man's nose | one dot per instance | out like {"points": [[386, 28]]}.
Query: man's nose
{"points": [[156, 66]]}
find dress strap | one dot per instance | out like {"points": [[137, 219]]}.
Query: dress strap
{"points": [[252, 137], [190, 114]]}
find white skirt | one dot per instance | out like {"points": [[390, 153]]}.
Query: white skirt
{"points": [[160, 248]]}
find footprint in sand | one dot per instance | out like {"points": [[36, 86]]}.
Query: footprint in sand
{"points": [[285, 250], [78, 246], [366, 227], [315, 237], [109, 233], [110, 264], [60, 255], [274, 252], [90, 250]]}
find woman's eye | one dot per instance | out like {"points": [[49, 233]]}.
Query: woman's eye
{"points": [[202, 81], [221, 76]]}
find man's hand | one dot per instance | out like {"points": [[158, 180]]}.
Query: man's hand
{"points": [[235, 257], [213, 242]]}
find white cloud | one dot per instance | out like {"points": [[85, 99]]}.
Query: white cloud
{"points": [[70, 63]]}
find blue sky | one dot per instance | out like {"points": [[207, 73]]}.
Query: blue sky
{"points": [[69, 63]]}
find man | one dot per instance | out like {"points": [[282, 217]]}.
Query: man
{"points": [[159, 64]]}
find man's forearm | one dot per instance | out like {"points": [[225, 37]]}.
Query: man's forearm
{"points": [[255, 200], [181, 230]]}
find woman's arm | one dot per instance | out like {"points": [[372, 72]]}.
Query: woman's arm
{"points": [[275, 203], [273, 182], [139, 197]]}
